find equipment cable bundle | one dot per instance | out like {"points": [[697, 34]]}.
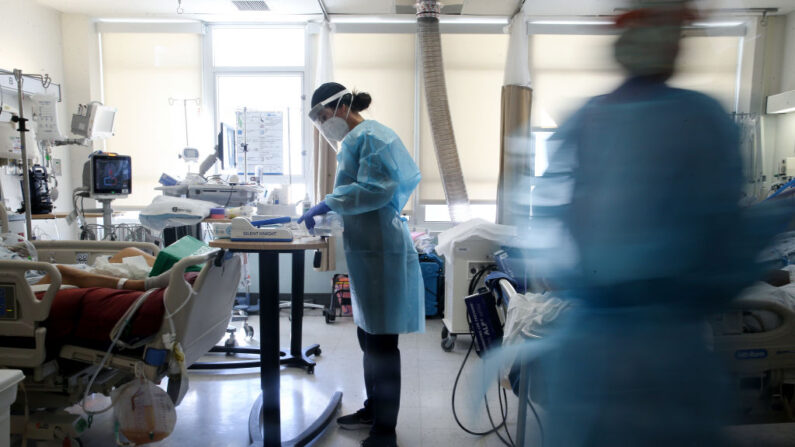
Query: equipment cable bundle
{"points": [[502, 394]]}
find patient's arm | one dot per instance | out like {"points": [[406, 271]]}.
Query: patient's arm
{"points": [[83, 279], [131, 252]]}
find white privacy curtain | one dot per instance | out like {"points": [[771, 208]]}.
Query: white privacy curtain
{"points": [[324, 161], [323, 155]]}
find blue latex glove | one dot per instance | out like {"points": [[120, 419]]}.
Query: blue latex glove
{"points": [[309, 217]]}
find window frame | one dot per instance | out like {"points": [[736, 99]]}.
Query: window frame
{"points": [[212, 73]]}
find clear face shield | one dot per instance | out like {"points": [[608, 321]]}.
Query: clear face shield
{"points": [[332, 127]]}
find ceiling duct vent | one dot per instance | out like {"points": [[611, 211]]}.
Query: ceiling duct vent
{"points": [[251, 5], [449, 7]]}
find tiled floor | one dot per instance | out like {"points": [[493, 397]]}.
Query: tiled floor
{"points": [[216, 410]]}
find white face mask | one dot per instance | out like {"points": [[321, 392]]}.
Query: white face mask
{"points": [[334, 128]]}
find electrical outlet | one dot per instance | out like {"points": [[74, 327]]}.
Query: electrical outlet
{"points": [[56, 166]]}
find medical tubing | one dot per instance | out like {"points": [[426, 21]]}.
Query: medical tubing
{"points": [[455, 387], [113, 343], [170, 315], [452, 175]]}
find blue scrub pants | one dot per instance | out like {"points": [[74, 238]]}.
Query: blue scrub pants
{"points": [[381, 380]]}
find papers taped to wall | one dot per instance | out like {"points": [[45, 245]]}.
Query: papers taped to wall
{"points": [[46, 117]]}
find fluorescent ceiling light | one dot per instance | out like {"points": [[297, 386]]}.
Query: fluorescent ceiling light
{"points": [[571, 22], [371, 19], [717, 24], [117, 20], [475, 20], [411, 19]]}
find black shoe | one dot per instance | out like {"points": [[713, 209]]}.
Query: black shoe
{"points": [[360, 419], [380, 441]]}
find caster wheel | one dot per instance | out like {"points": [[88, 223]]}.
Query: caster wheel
{"points": [[317, 352], [448, 343], [249, 330], [445, 332]]}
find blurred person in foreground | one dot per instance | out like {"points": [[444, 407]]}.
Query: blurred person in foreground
{"points": [[644, 183]]}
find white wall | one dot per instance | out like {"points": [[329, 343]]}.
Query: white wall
{"points": [[82, 78], [31, 41], [785, 135]]}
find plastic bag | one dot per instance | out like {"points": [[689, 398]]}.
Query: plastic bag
{"points": [[529, 316], [329, 224], [21, 248], [144, 413], [500, 234], [14, 247], [133, 267], [423, 243], [165, 212]]}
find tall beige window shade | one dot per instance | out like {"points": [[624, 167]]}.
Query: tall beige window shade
{"points": [[141, 71], [569, 69], [383, 66]]}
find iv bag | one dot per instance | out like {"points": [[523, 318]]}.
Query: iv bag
{"points": [[144, 412]]}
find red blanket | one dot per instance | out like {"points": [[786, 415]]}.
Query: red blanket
{"points": [[87, 316]]}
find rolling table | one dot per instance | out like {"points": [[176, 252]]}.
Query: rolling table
{"points": [[265, 417]]}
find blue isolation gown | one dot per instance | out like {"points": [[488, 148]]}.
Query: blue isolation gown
{"points": [[375, 178], [641, 196]]}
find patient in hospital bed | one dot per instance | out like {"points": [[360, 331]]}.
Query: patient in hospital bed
{"points": [[82, 277], [128, 269], [102, 293]]}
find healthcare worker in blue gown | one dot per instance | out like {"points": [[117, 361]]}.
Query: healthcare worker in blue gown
{"points": [[646, 180], [375, 178]]}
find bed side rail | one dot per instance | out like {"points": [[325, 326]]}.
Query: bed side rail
{"points": [[772, 337], [84, 252], [31, 309], [752, 303]]}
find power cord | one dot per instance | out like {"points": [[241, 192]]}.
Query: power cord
{"points": [[472, 285], [455, 388], [502, 394], [504, 414]]}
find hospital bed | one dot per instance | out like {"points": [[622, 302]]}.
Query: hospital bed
{"points": [[756, 339], [57, 377]]}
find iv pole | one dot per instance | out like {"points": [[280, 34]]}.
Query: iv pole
{"points": [[21, 120]]}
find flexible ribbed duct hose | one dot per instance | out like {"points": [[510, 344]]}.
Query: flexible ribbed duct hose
{"points": [[439, 110]]}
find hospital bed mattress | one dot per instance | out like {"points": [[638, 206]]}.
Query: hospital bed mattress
{"points": [[86, 317]]}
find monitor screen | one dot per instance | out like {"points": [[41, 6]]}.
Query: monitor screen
{"points": [[226, 146], [111, 174]]}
